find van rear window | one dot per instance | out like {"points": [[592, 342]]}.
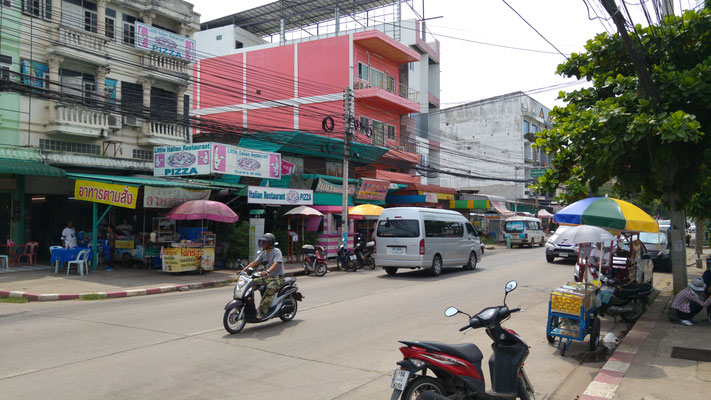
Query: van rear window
{"points": [[399, 228], [514, 226]]}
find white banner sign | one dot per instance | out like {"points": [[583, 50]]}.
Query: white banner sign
{"points": [[270, 195], [233, 160], [150, 38], [168, 197], [189, 159], [215, 158]]}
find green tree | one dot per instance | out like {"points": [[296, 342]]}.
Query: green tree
{"points": [[611, 132]]}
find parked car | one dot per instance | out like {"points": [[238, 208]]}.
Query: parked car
{"points": [[524, 230], [414, 237], [556, 248], [657, 246]]}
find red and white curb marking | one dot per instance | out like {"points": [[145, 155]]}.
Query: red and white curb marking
{"points": [[113, 295], [608, 379]]}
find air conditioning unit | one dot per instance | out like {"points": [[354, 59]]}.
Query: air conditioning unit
{"points": [[131, 120], [114, 122]]}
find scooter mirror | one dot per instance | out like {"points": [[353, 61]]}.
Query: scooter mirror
{"points": [[451, 311], [510, 286]]}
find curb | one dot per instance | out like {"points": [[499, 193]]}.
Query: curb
{"points": [[133, 292], [609, 377]]}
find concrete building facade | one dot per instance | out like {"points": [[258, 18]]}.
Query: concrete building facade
{"points": [[88, 96], [493, 138]]}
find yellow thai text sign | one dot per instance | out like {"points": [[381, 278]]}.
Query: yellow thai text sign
{"points": [[179, 259], [106, 193]]}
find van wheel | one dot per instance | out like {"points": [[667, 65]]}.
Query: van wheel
{"points": [[532, 243], [436, 266], [543, 241], [471, 265], [391, 270]]}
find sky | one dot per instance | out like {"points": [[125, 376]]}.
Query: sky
{"points": [[471, 71]]}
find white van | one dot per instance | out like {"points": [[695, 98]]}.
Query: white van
{"points": [[524, 230], [415, 237]]}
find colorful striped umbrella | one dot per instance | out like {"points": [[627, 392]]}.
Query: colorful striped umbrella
{"points": [[609, 213]]}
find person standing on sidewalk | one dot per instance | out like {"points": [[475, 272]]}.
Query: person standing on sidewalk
{"points": [[688, 302]]}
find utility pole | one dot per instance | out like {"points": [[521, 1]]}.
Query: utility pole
{"points": [[347, 125], [649, 90]]}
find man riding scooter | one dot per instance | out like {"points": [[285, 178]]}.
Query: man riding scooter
{"points": [[273, 277]]}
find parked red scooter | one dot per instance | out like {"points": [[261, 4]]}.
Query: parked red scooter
{"points": [[314, 260], [455, 370]]}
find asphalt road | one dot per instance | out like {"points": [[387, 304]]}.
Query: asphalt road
{"points": [[342, 343]]}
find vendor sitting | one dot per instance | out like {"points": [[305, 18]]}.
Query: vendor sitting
{"points": [[689, 302]]}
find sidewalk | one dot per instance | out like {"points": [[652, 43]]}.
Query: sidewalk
{"points": [[642, 367], [40, 283]]}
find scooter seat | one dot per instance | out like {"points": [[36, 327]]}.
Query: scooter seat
{"points": [[466, 351], [289, 281], [634, 290]]}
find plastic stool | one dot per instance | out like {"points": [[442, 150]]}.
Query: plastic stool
{"points": [[4, 259]]}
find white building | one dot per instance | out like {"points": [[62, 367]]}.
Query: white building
{"points": [[100, 84], [492, 138]]}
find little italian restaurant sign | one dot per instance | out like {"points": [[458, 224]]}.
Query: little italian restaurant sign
{"points": [[106, 193]]}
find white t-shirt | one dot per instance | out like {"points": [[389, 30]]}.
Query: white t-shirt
{"points": [[69, 236]]}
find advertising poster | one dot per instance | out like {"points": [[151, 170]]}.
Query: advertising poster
{"points": [[233, 160], [179, 259], [169, 197], [189, 159], [373, 189], [270, 195], [106, 193], [150, 38]]}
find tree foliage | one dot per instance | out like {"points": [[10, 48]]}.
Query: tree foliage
{"points": [[609, 132]]}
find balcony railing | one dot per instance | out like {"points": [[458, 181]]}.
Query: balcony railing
{"points": [[78, 116], [166, 63], [81, 40], [166, 130], [380, 80], [408, 144]]}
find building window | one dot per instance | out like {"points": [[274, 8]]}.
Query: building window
{"points": [[143, 154], [34, 74], [129, 29], [364, 123], [131, 98], [390, 83], [90, 21], [391, 132], [526, 128], [219, 37], [534, 128], [72, 147], [164, 105], [5, 65], [363, 72], [78, 84], [378, 133], [110, 27], [238, 44], [38, 8], [412, 66]]}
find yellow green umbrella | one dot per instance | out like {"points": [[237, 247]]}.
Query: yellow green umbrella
{"points": [[609, 213]]}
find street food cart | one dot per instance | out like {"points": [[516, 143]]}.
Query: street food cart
{"points": [[195, 254], [572, 315]]}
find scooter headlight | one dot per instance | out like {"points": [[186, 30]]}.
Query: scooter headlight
{"points": [[241, 281]]}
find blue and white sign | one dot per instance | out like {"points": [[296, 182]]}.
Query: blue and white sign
{"points": [[281, 196], [150, 38]]}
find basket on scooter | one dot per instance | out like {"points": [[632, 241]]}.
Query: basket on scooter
{"points": [[308, 250]]}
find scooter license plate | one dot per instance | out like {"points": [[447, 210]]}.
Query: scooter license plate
{"points": [[400, 377], [353, 257]]}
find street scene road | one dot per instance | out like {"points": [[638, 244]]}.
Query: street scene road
{"points": [[343, 342]]}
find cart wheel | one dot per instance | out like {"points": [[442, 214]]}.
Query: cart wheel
{"points": [[554, 323], [594, 333], [563, 347]]}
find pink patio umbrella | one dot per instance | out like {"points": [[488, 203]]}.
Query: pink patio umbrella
{"points": [[203, 209]]}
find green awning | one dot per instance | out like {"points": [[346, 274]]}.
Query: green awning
{"points": [[310, 144], [330, 199], [27, 167], [333, 179], [140, 181], [219, 183]]}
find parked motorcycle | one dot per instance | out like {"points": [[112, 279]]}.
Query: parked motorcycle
{"points": [[363, 252], [455, 370], [242, 308], [314, 260], [343, 257], [629, 301]]}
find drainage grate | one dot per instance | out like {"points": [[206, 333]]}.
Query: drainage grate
{"points": [[688, 353]]}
